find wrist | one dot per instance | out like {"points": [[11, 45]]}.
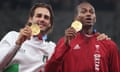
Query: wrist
{"points": [[66, 41], [18, 43]]}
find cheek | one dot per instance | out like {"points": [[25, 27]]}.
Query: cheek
{"points": [[49, 25], [79, 18], [29, 21], [94, 19], [35, 18]]}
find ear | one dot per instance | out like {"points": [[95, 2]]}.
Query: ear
{"points": [[49, 25], [30, 19]]}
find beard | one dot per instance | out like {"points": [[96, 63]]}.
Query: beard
{"points": [[46, 31], [87, 26]]}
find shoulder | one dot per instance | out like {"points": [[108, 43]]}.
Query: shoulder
{"points": [[11, 33], [51, 43], [109, 42], [49, 48], [61, 39], [110, 45], [48, 45], [10, 36]]}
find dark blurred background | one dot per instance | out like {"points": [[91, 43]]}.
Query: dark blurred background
{"points": [[14, 14]]}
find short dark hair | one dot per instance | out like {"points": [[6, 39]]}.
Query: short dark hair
{"points": [[77, 7], [43, 5]]}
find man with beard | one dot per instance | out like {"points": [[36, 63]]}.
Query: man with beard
{"points": [[26, 50], [81, 51]]}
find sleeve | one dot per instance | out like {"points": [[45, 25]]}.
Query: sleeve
{"points": [[7, 49], [114, 62], [55, 63], [51, 47]]}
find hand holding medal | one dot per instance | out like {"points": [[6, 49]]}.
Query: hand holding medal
{"points": [[70, 33], [25, 32]]}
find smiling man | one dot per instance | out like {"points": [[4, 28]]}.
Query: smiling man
{"points": [[81, 51], [23, 51]]}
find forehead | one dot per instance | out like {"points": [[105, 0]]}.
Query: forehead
{"points": [[42, 10], [86, 6]]}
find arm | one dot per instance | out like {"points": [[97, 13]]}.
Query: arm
{"points": [[10, 44], [62, 48], [7, 49], [114, 62], [54, 64]]}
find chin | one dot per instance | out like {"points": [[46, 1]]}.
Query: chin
{"points": [[43, 30], [87, 26]]}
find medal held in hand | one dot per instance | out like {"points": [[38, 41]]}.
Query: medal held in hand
{"points": [[77, 25], [35, 29]]}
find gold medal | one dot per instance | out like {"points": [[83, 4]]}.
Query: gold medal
{"points": [[35, 29], [77, 25]]}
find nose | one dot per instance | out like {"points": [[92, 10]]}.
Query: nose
{"points": [[88, 14], [42, 18]]}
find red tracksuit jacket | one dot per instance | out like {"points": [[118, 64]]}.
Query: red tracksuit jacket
{"points": [[85, 54]]}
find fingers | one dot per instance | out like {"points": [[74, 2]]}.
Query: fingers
{"points": [[108, 38], [26, 32], [103, 36], [70, 33]]}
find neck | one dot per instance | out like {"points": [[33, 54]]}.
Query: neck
{"points": [[43, 33], [42, 36], [87, 30]]}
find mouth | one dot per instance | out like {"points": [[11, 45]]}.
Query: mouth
{"points": [[42, 24], [88, 20]]}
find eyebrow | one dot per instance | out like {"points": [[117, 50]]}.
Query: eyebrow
{"points": [[90, 8], [42, 14]]}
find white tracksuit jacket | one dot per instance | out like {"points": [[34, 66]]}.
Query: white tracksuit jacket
{"points": [[27, 58]]}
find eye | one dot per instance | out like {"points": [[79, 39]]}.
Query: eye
{"points": [[83, 11], [39, 15], [47, 17], [92, 11]]}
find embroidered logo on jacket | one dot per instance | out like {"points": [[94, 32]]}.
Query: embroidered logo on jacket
{"points": [[76, 46]]}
